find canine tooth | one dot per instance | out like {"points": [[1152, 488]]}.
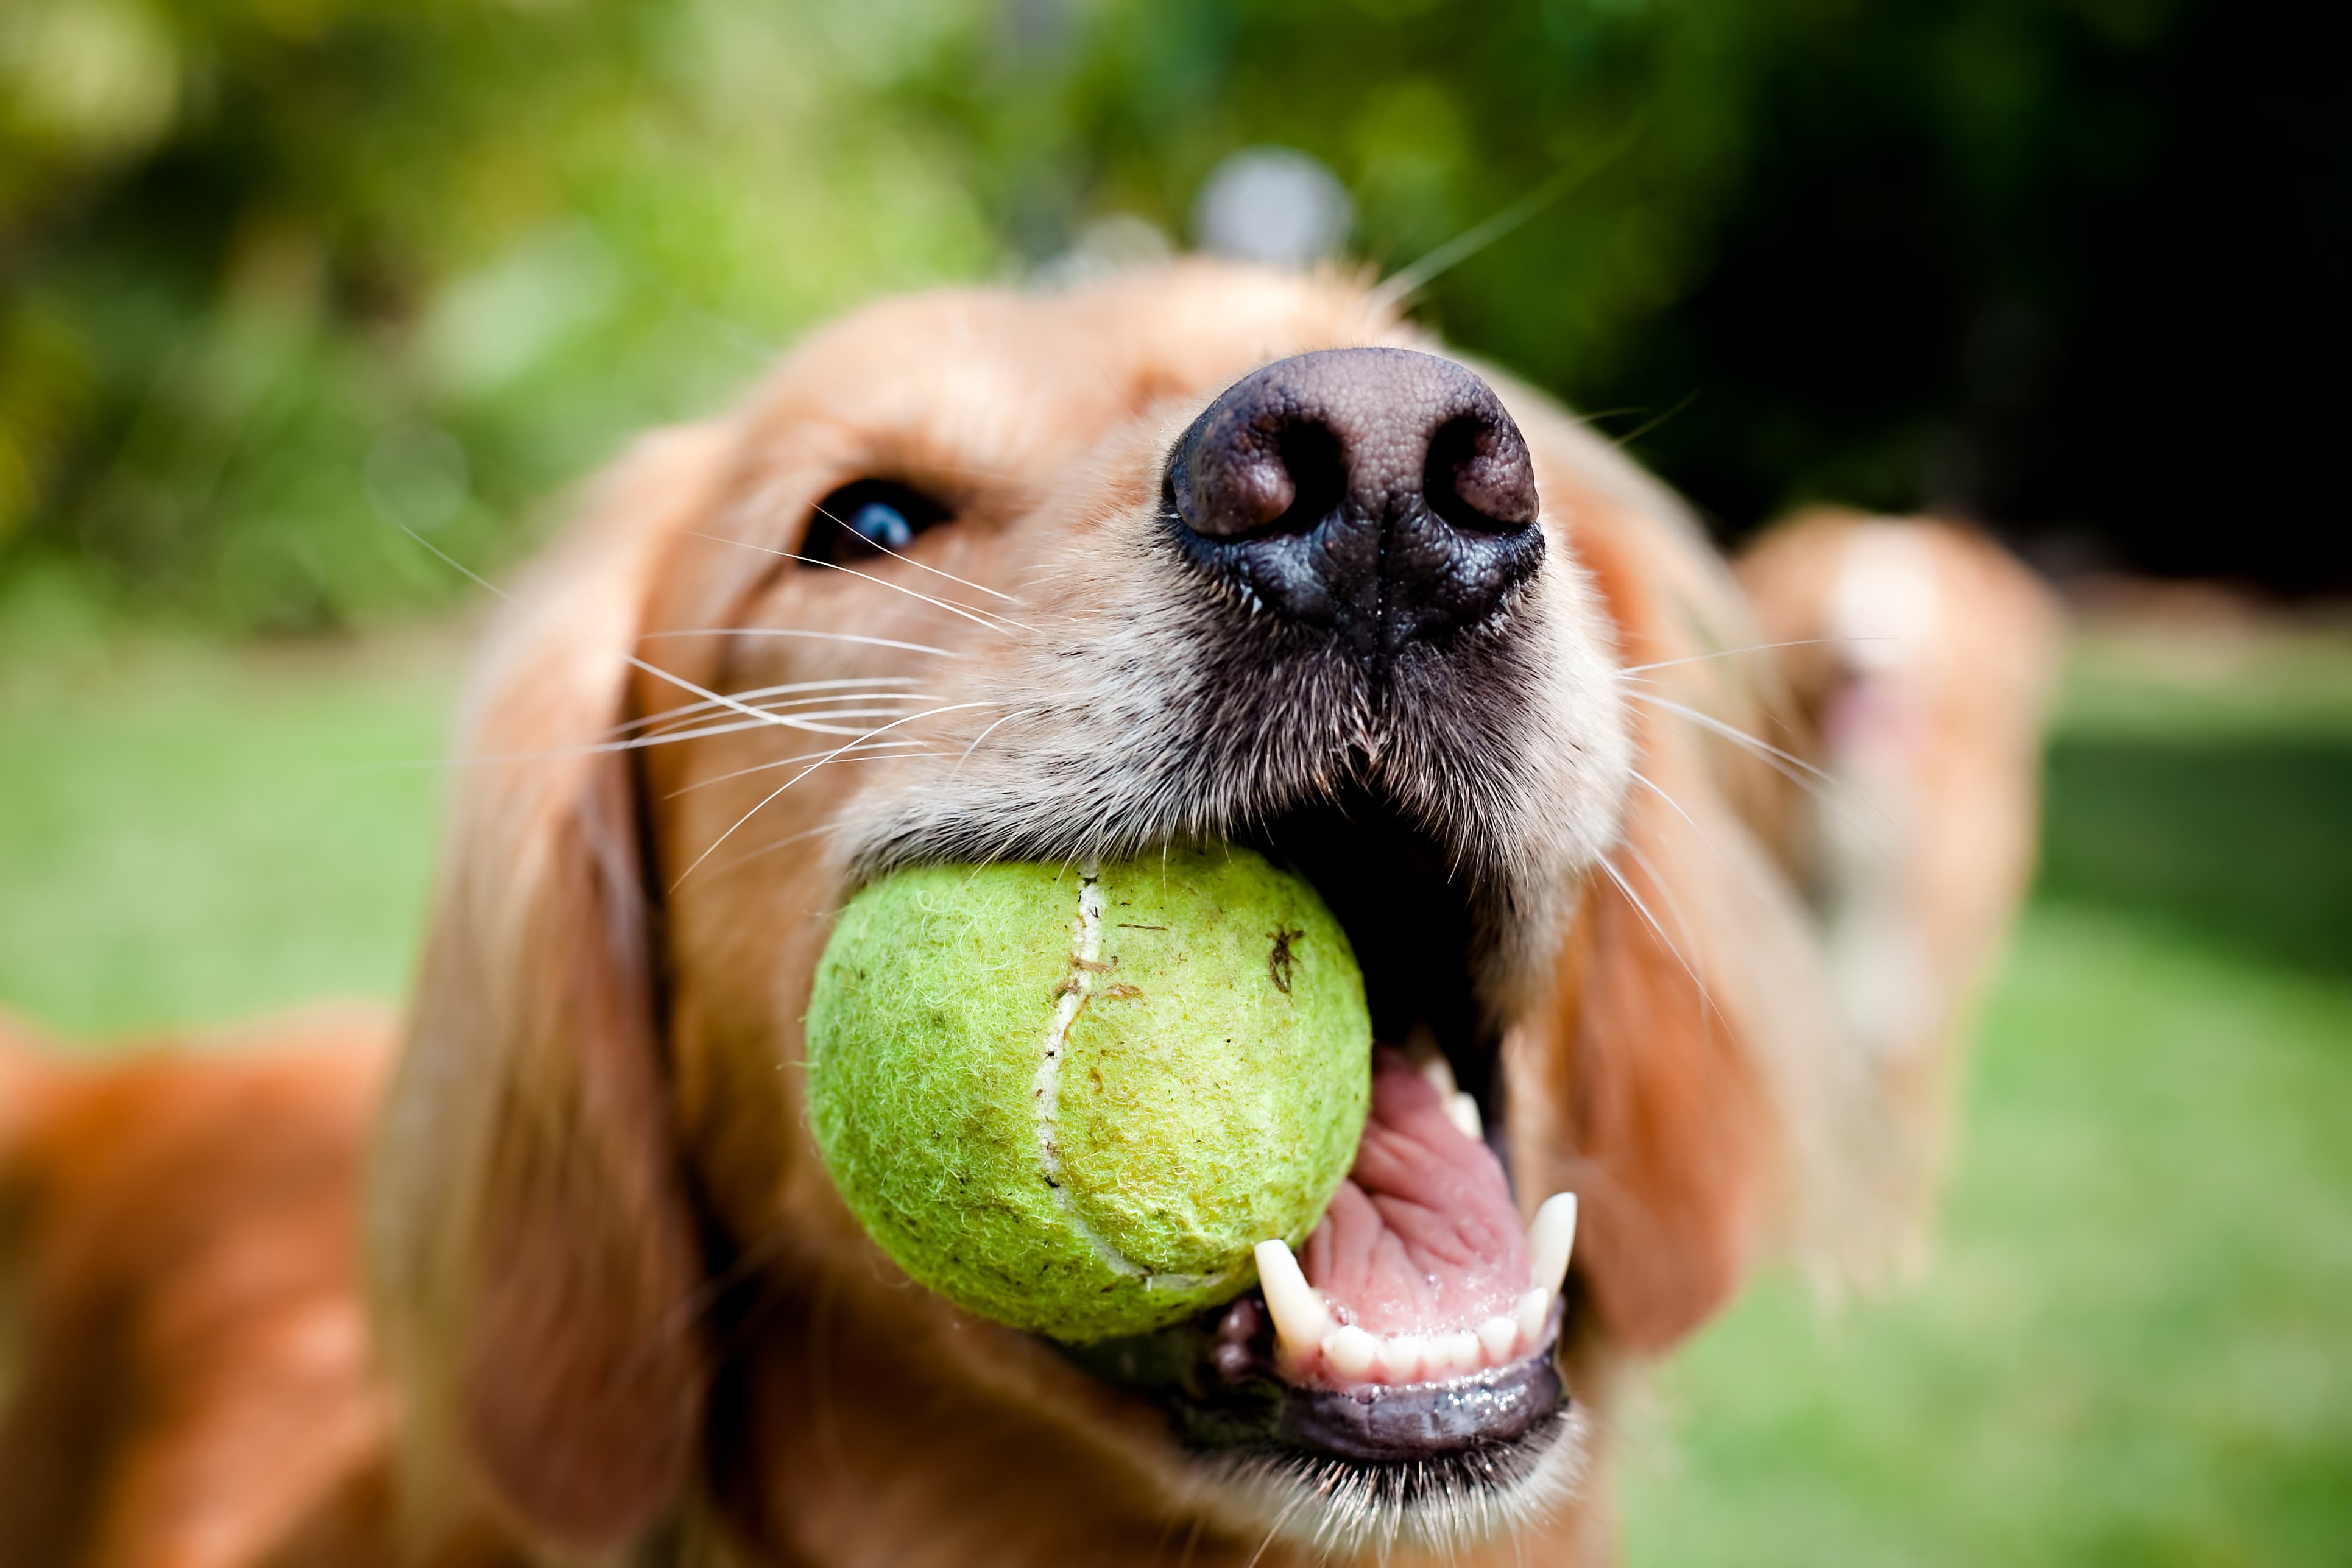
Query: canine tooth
{"points": [[1462, 1112], [1429, 1059], [1351, 1351], [1454, 1353], [1400, 1356], [1431, 1063], [1533, 1308], [1300, 1320], [1497, 1335], [1550, 1241]]}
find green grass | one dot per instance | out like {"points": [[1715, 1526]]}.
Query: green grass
{"points": [[2134, 1344], [188, 836]]}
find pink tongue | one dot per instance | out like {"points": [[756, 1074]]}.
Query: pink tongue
{"points": [[1423, 1237]]}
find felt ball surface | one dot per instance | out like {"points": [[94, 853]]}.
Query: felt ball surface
{"points": [[1073, 1101]]}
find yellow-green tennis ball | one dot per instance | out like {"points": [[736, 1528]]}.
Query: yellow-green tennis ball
{"points": [[1074, 1102]]}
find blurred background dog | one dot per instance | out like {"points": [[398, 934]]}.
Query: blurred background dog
{"points": [[283, 279]]}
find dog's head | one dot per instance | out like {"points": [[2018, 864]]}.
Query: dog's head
{"points": [[1203, 554]]}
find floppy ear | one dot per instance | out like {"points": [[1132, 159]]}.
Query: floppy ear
{"points": [[1695, 1089], [1711, 1112], [1661, 1116], [533, 1248]]}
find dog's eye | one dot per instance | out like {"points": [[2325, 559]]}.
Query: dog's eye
{"points": [[868, 519]]}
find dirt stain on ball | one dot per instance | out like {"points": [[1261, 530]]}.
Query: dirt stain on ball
{"points": [[1279, 959]]}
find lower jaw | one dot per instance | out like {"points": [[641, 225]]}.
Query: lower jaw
{"points": [[1228, 1398]]}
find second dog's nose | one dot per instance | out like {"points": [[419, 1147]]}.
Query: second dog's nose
{"points": [[1383, 493]]}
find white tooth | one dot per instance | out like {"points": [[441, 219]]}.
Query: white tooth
{"points": [[1300, 1320], [1550, 1241], [1420, 1049], [1400, 1356], [1533, 1308], [1432, 1065], [1462, 1112], [1454, 1353], [1351, 1351], [1497, 1335]]}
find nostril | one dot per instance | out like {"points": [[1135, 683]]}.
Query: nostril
{"points": [[1222, 493], [1239, 478], [1319, 475], [1477, 477]]}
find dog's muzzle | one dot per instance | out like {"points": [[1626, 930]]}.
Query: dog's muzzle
{"points": [[1340, 644]]}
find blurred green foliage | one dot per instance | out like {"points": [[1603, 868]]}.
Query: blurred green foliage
{"points": [[278, 275], [282, 274]]}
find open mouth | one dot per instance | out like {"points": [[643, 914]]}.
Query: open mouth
{"points": [[1413, 1333]]}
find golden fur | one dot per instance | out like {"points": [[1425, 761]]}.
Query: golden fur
{"points": [[619, 1313]]}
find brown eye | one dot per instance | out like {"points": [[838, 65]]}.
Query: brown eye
{"points": [[869, 519]]}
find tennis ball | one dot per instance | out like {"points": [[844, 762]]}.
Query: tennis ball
{"points": [[1072, 1099]]}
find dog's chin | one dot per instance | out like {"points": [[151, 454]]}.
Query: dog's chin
{"points": [[1439, 1466], [1451, 1502]]}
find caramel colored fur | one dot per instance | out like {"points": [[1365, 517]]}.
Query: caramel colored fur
{"points": [[597, 1301]]}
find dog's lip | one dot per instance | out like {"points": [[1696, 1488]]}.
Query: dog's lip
{"points": [[1225, 1390], [1391, 1424]]}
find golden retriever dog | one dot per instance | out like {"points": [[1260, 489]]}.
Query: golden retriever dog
{"points": [[1672, 883]]}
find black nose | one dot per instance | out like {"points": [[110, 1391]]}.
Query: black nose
{"points": [[1379, 492]]}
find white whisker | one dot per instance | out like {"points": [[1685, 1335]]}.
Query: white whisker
{"points": [[837, 703], [681, 682], [879, 751], [1639, 778], [1785, 765], [786, 842], [977, 618], [1742, 738], [684, 709], [1400, 285], [820, 723], [1635, 434], [918, 565], [984, 735], [1752, 647], [796, 631], [1633, 897], [826, 722], [908, 719], [1682, 922]]}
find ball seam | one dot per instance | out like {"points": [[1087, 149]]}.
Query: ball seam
{"points": [[1070, 1000]]}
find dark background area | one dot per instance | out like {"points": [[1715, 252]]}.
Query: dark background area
{"points": [[276, 274], [2110, 337], [2078, 272]]}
